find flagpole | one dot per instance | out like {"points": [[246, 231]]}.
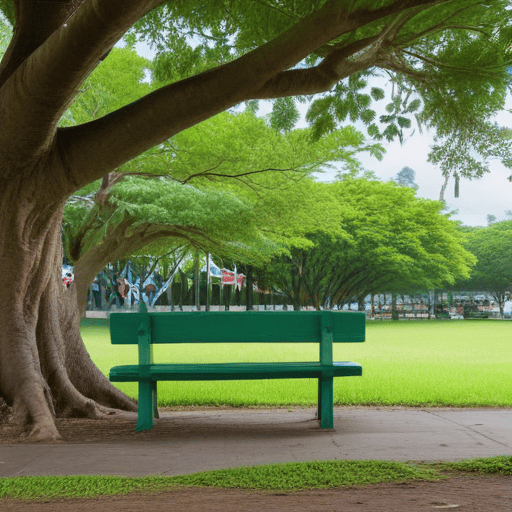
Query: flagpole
{"points": [[196, 279], [207, 281], [233, 289]]}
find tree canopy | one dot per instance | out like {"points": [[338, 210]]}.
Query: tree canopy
{"points": [[446, 61], [390, 241], [231, 185], [492, 247]]}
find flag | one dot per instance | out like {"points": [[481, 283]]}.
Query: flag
{"points": [[240, 281], [228, 277], [214, 270]]}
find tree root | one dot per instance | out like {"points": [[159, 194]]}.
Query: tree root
{"points": [[88, 409], [5, 412], [44, 432]]}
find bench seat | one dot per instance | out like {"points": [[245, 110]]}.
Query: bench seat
{"points": [[233, 371]]}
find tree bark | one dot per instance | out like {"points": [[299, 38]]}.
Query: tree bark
{"points": [[45, 370]]}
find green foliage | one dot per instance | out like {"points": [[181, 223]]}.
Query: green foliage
{"points": [[446, 63], [7, 10], [501, 465], [492, 247], [5, 35], [231, 176], [467, 151], [214, 220], [389, 240], [434, 78], [291, 476], [284, 114], [231, 184], [117, 81], [346, 102], [294, 476]]}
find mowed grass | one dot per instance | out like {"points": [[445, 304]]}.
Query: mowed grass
{"points": [[293, 476], [286, 477], [438, 363]]}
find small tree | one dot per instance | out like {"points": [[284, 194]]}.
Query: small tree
{"points": [[406, 177], [492, 247]]}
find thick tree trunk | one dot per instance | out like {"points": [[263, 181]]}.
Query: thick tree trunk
{"points": [[45, 370]]}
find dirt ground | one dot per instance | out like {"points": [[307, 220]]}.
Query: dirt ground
{"points": [[460, 492]]}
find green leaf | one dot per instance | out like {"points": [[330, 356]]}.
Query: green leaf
{"points": [[391, 132], [373, 131], [377, 93], [387, 119], [403, 122], [413, 106], [367, 116], [284, 114]]}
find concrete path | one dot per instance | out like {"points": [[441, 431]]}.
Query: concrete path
{"points": [[191, 441]]}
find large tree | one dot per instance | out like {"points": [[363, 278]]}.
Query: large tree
{"points": [[44, 367]]}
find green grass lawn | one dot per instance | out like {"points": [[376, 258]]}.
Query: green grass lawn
{"points": [[449, 363], [288, 477]]}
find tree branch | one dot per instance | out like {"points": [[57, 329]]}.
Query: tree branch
{"points": [[39, 90], [436, 63], [435, 28], [34, 22], [91, 150], [206, 173]]}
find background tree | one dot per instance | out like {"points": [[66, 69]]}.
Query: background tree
{"points": [[492, 247], [390, 241], [405, 178], [44, 367]]}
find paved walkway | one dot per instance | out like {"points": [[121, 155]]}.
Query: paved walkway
{"points": [[190, 441]]}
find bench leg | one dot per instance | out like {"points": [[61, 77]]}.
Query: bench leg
{"points": [[155, 401], [319, 407], [145, 418], [325, 402]]}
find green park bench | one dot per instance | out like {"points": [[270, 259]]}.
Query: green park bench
{"points": [[323, 327]]}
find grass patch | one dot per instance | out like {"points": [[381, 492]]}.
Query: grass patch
{"points": [[309, 475], [271, 477], [437, 363], [501, 465], [54, 487], [288, 477]]}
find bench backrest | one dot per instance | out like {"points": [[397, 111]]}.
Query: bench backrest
{"points": [[322, 327], [238, 327]]}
